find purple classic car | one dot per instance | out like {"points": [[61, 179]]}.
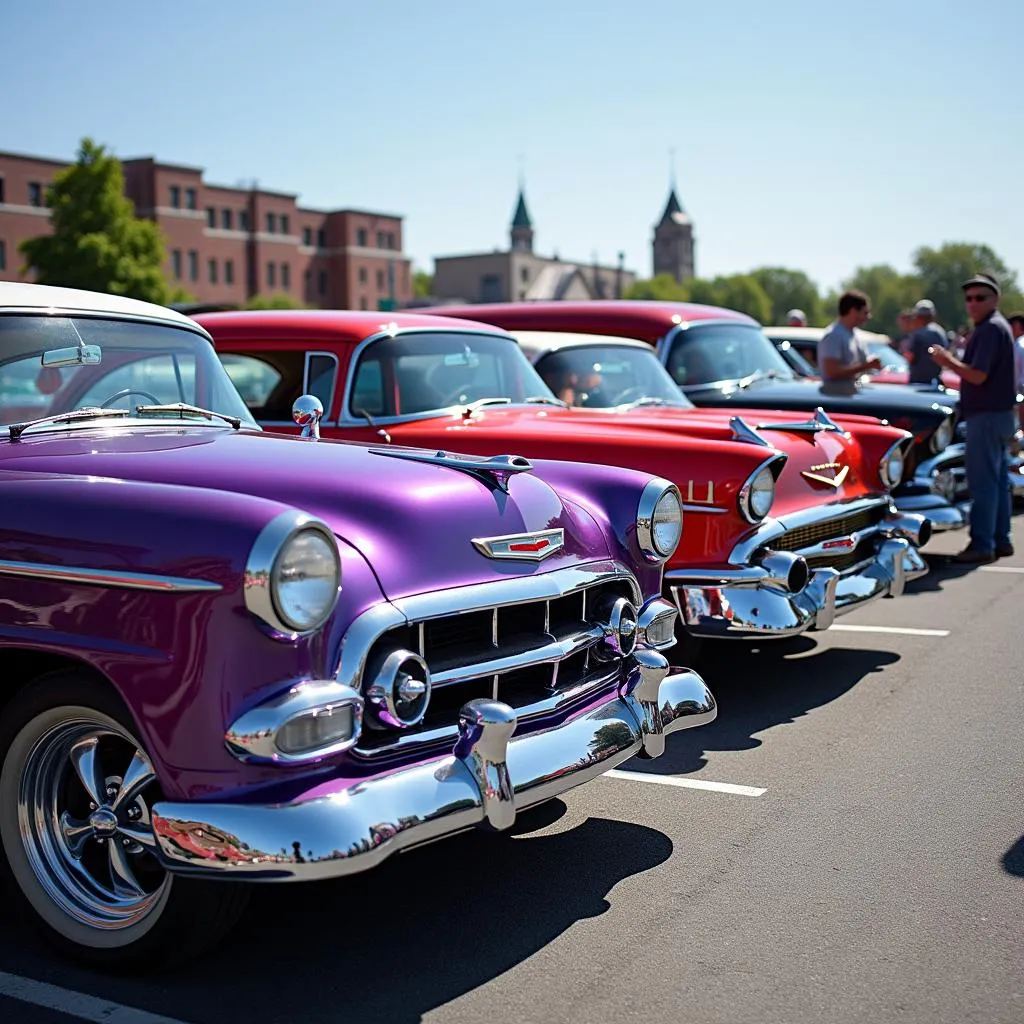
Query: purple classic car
{"points": [[229, 656]]}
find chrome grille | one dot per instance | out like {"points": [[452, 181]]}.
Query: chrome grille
{"points": [[800, 537], [532, 654]]}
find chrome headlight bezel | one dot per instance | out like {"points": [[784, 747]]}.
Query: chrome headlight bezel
{"points": [[754, 485], [891, 479], [942, 438], [656, 499], [262, 584]]}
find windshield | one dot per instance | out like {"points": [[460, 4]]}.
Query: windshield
{"points": [[427, 371], [891, 359], [723, 352], [800, 365], [605, 375], [140, 364]]}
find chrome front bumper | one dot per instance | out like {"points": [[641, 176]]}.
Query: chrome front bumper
{"points": [[744, 602], [344, 826]]}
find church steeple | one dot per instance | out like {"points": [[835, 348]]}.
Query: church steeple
{"points": [[522, 226], [673, 243]]}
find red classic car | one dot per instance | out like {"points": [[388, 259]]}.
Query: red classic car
{"points": [[789, 519]]}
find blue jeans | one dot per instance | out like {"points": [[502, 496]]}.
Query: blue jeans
{"points": [[988, 434]]}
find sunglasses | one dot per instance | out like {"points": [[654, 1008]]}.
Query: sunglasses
{"points": [[983, 297]]}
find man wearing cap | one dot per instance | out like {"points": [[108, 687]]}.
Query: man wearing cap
{"points": [[988, 396], [925, 334], [796, 318]]}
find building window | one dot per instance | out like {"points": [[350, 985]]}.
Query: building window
{"points": [[193, 265], [1, 190], [380, 239], [229, 271], [321, 283], [211, 217], [362, 275], [226, 220], [307, 284], [380, 280], [524, 274], [361, 237], [271, 275], [212, 268], [321, 239], [35, 194], [175, 197], [286, 276], [362, 302], [284, 224], [307, 236], [392, 241], [490, 288], [271, 223], [176, 264], [190, 199], [243, 220], [3, 254]]}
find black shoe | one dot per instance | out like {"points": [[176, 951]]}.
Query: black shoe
{"points": [[973, 556], [1004, 551]]}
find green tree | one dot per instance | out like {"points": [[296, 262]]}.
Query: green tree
{"points": [[941, 271], [789, 289], [743, 293], [422, 284], [273, 300], [889, 292], [97, 242], [663, 288]]}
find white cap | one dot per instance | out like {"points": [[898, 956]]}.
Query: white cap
{"points": [[796, 314], [925, 307]]}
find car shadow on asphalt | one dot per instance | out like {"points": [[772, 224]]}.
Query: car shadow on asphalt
{"points": [[758, 687], [941, 569], [418, 931], [1013, 859]]}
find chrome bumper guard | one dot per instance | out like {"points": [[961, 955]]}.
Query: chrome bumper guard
{"points": [[345, 826], [747, 602], [945, 476]]}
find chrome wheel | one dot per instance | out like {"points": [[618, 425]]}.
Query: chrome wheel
{"points": [[83, 800]]}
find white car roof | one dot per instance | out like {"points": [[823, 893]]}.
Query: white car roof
{"points": [[19, 295], [815, 333], [538, 343]]}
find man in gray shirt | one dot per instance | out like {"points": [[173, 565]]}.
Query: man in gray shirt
{"points": [[926, 334], [841, 356]]}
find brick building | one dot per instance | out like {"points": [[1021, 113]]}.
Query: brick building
{"points": [[226, 244]]}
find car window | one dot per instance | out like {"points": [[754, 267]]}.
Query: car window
{"points": [[269, 381], [726, 351], [321, 371], [157, 379], [254, 378]]}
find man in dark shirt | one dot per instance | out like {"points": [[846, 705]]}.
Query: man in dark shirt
{"points": [[988, 397], [925, 335]]}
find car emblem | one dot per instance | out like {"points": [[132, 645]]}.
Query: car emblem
{"points": [[837, 478], [532, 546]]}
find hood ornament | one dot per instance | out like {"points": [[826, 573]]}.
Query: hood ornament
{"points": [[494, 472], [820, 421], [837, 478], [534, 547], [743, 431]]}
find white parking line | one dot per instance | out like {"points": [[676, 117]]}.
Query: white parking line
{"points": [[668, 780], [843, 628], [75, 1004], [1001, 568]]}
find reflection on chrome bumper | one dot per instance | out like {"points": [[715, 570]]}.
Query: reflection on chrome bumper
{"points": [[343, 826], [746, 608], [945, 476]]}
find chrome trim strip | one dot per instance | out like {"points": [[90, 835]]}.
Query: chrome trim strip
{"points": [[498, 467], [743, 431], [191, 327], [107, 578], [704, 508], [819, 422]]}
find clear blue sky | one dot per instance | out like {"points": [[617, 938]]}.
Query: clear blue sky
{"points": [[811, 135]]}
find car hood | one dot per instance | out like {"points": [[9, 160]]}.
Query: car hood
{"points": [[885, 401], [413, 522]]}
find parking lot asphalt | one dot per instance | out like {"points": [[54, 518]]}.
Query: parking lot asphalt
{"points": [[877, 875]]}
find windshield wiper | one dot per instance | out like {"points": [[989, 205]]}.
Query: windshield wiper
{"points": [[481, 402], [15, 430], [546, 400], [382, 433], [753, 378], [647, 400], [183, 409]]}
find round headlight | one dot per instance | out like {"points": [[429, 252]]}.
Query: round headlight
{"points": [[304, 580], [890, 469], [943, 436], [659, 520], [757, 494]]}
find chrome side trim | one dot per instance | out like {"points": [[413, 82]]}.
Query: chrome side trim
{"points": [[496, 469], [821, 421], [107, 578]]}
